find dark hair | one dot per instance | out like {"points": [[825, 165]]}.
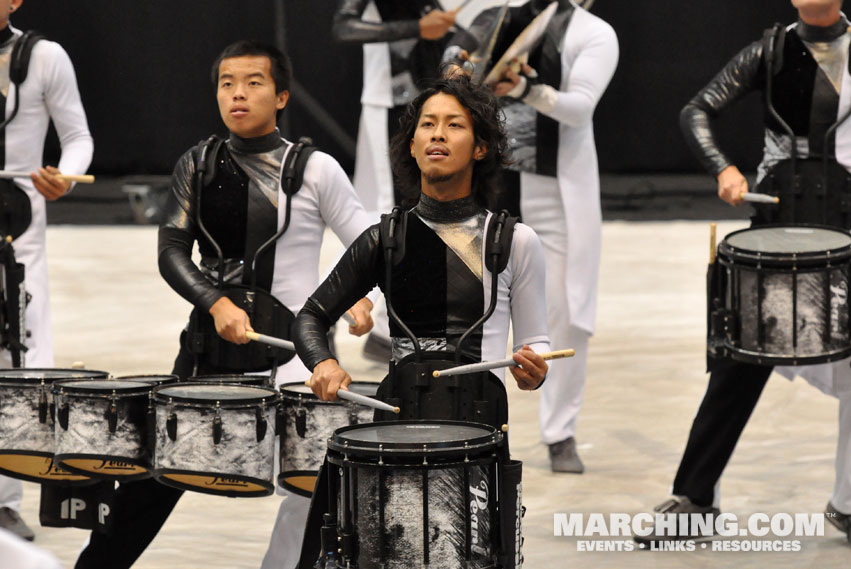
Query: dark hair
{"points": [[279, 63], [488, 129]]}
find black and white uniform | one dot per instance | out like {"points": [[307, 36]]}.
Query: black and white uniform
{"points": [[248, 179], [49, 93], [552, 138], [811, 91]]}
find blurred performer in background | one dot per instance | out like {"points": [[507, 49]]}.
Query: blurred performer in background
{"points": [[803, 68], [403, 41], [549, 108], [248, 200], [39, 86]]}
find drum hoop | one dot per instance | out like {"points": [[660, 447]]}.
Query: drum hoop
{"points": [[166, 378], [749, 255], [767, 358], [234, 378], [7, 380], [43, 480], [60, 388], [296, 397], [272, 396], [491, 459], [159, 475], [140, 462], [786, 266], [493, 438]]}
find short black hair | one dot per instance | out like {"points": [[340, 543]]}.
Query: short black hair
{"points": [[279, 63], [488, 129]]}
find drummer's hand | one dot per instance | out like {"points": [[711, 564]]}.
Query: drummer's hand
{"points": [[533, 369], [231, 321], [360, 311], [327, 378], [48, 185], [511, 78], [436, 24], [454, 71], [731, 185]]}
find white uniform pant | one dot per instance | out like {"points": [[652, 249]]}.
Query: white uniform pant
{"points": [[288, 533], [841, 498], [562, 392]]}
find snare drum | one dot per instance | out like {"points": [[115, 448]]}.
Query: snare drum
{"points": [[308, 422], [103, 431], [242, 379], [215, 438], [26, 424], [416, 494], [784, 297]]}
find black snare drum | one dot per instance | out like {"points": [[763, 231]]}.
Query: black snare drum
{"points": [[26, 424], [416, 494], [783, 296]]}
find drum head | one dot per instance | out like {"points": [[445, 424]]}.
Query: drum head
{"points": [[99, 387], [786, 240], [299, 389], [48, 375], [260, 379], [151, 380], [417, 437], [209, 393]]}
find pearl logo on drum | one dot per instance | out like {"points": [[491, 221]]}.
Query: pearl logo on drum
{"points": [[478, 506]]}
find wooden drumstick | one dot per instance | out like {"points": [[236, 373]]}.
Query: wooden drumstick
{"points": [[79, 178], [271, 340], [758, 198], [712, 248], [363, 400], [508, 362]]}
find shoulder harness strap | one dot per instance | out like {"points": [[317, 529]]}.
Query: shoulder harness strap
{"points": [[773, 40], [292, 175], [21, 52], [498, 240], [392, 229], [205, 158]]}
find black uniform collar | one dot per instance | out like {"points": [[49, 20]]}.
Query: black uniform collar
{"points": [[454, 210], [6, 34], [256, 145], [822, 34]]}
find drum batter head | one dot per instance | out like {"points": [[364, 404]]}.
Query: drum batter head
{"points": [[414, 438], [784, 242], [152, 380], [243, 379], [204, 393], [47, 375], [300, 390], [102, 387]]}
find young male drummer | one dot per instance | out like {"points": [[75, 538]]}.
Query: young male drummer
{"points": [[447, 154], [244, 203], [814, 48]]}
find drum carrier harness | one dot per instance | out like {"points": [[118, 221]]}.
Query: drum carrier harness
{"points": [[266, 312]]}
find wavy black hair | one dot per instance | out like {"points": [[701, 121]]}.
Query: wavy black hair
{"points": [[488, 129]]}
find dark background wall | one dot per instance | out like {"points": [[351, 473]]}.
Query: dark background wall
{"points": [[143, 69]]}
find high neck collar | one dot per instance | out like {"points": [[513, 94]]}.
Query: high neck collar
{"points": [[256, 145], [6, 34], [822, 34], [454, 210]]}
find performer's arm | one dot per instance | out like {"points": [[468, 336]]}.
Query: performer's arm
{"points": [[62, 99], [349, 27], [177, 234]]}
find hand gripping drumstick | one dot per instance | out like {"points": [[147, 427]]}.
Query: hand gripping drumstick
{"points": [[509, 362], [271, 340], [363, 400], [348, 318], [80, 178], [758, 198]]}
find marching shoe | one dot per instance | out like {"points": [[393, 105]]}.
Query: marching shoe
{"points": [[840, 521], [678, 505], [564, 458], [11, 520]]}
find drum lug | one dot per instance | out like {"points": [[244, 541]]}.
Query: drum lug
{"points": [[217, 425], [171, 422], [260, 415], [425, 455], [300, 422], [279, 420], [62, 413], [112, 415], [42, 405]]}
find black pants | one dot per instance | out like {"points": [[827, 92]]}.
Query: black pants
{"points": [[139, 509], [734, 388]]}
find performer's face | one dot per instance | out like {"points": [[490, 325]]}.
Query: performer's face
{"points": [[246, 93], [820, 5], [6, 8], [444, 144]]}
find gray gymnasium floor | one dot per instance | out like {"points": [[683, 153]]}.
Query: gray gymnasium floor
{"points": [[111, 310]]}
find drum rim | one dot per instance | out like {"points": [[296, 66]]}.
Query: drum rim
{"points": [[369, 448], [13, 381], [167, 377], [749, 255], [313, 399], [88, 481], [61, 387], [142, 462], [268, 487], [272, 396], [774, 359]]}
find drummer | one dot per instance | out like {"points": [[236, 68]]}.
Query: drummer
{"points": [[252, 83], [816, 46]]}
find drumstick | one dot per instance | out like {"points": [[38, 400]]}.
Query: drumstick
{"points": [[363, 400], [758, 198], [509, 362], [712, 227], [81, 178], [271, 340], [348, 318]]}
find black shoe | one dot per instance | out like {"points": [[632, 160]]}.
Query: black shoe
{"points": [[840, 521], [377, 349], [676, 506], [11, 520], [564, 458]]}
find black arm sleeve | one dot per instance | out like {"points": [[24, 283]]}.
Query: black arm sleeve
{"points": [[743, 74], [357, 273], [349, 27], [176, 236]]}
